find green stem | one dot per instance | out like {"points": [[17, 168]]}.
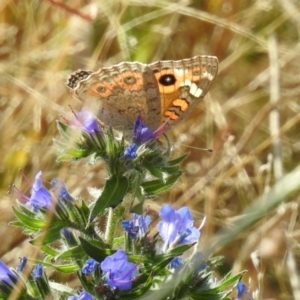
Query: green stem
{"points": [[113, 218], [110, 227]]}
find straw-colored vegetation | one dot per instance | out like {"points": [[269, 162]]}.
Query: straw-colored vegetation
{"points": [[250, 118]]}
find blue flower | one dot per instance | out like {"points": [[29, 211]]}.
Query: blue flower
{"points": [[66, 233], [83, 296], [6, 275], [142, 133], [242, 291], [176, 227], [130, 151], [85, 121], [40, 196], [60, 190], [176, 263], [37, 271], [68, 237], [20, 267], [137, 225], [130, 228], [119, 272], [89, 267]]}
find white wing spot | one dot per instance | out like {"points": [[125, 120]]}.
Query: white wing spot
{"points": [[179, 72], [186, 82], [207, 75], [195, 90]]}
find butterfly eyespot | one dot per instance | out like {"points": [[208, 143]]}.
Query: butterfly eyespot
{"points": [[101, 89], [130, 80], [167, 79]]}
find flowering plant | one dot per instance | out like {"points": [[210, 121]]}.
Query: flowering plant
{"points": [[108, 265]]}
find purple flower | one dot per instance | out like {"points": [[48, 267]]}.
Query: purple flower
{"points": [[83, 296], [60, 190], [6, 274], [89, 267], [176, 263], [40, 196], [119, 272], [20, 267], [85, 121], [142, 133], [176, 227], [37, 271], [130, 151], [137, 225]]}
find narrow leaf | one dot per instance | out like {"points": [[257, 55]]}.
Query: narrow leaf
{"points": [[112, 194], [75, 252], [50, 235], [153, 170], [95, 252], [28, 221], [66, 268], [178, 160], [155, 187], [61, 288]]}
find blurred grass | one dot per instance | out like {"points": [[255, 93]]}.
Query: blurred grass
{"points": [[42, 42]]}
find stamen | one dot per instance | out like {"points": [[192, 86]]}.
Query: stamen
{"points": [[18, 194], [30, 183], [72, 110]]}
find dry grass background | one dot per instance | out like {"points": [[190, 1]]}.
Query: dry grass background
{"points": [[250, 118]]}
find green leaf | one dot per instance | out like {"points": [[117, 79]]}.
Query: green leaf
{"points": [[15, 223], [178, 160], [178, 251], [26, 229], [26, 211], [161, 266], [157, 270], [157, 259], [119, 241], [61, 288], [75, 252], [219, 291], [49, 250], [50, 235], [138, 208], [155, 187], [154, 171], [95, 252], [29, 221], [139, 289], [112, 194], [62, 128], [66, 268], [228, 280], [170, 169]]}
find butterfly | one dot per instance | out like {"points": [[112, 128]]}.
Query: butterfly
{"points": [[163, 92]]}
